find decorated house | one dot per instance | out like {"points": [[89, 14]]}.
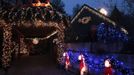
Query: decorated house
{"points": [[38, 28], [95, 31], [94, 37]]}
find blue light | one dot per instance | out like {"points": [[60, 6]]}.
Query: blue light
{"points": [[121, 63], [110, 33], [96, 63]]}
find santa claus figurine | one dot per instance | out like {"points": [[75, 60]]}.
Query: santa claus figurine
{"points": [[108, 68], [67, 60], [83, 67]]}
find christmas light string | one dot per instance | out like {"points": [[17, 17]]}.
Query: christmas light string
{"points": [[47, 37], [13, 17], [16, 48], [30, 16], [96, 13], [7, 50], [110, 33], [96, 63]]}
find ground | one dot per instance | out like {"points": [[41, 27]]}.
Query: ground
{"points": [[35, 65], [43, 65]]}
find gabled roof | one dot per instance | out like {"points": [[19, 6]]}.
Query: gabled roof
{"points": [[95, 12], [83, 26]]}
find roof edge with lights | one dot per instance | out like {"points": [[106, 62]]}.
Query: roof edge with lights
{"points": [[92, 10]]}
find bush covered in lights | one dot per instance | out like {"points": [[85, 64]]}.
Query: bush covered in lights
{"points": [[95, 63], [110, 33]]}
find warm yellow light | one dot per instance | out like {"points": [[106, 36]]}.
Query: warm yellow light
{"points": [[48, 4], [103, 11], [35, 41], [41, 4]]}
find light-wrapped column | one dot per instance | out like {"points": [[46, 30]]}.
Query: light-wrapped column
{"points": [[7, 35]]}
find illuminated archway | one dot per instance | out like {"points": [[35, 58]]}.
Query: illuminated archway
{"points": [[37, 20]]}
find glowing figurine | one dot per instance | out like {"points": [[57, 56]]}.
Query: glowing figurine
{"points": [[108, 68], [67, 60], [83, 67]]}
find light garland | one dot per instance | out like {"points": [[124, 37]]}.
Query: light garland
{"points": [[52, 34], [84, 20], [16, 48], [30, 16], [60, 38], [96, 13], [23, 47], [39, 4], [6, 56]]}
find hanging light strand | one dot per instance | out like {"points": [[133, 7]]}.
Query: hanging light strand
{"points": [[52, 34]]}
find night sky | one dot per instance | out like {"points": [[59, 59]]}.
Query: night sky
{"points": [[69, 4]]}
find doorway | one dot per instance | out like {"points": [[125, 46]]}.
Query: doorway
{"points": [[44, 47]]}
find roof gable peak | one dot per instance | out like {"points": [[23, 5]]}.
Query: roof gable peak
{"points": [[92, 10]]}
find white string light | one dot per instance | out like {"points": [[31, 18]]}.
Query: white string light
{"points": [[52, 34], [7, 34]]}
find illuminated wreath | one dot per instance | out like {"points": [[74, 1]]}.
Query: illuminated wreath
{"points": [[85, 20]]}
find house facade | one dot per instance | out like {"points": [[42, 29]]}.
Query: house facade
{"points": [[94, 31]]}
